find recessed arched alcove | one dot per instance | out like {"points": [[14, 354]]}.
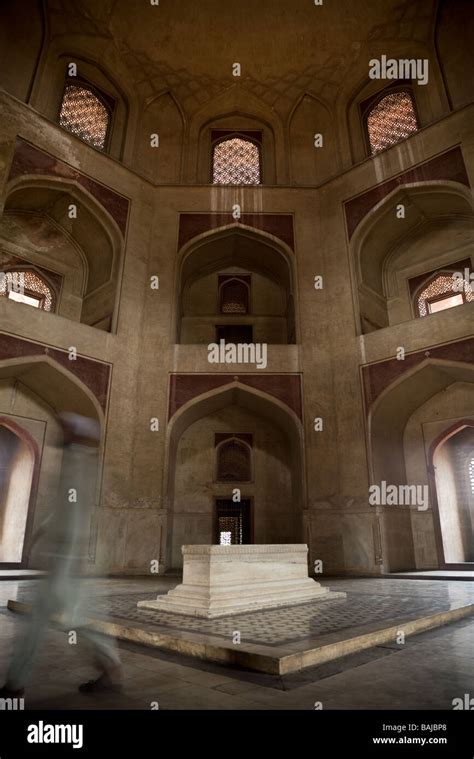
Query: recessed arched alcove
{"points": [[33, 391], [238, 112], [313, 141], [415, 230], [407, 416], [247, 255], [161, 115], [275, 492], [61, 230]]}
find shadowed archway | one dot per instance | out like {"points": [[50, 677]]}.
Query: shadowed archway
{"points": [[277, 487]]}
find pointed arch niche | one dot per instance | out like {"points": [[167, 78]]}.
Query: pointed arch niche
{"points": [[391, 248], [81, 253], [263, 265], [407, 424], [311, 165], [261, 127], [162, 116], [33, 390], [276, 492]]}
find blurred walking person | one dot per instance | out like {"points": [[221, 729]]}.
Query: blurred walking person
{"points": [[64, 536]]}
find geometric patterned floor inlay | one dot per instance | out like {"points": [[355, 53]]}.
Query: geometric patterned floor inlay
{"points": [[275, 627], [276, 641]]}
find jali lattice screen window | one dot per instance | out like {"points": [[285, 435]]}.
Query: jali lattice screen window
{"points": [[27, 287], [85, 115], [471, 475], [236, 161], [234, 297], [439, 295], [391, 120]]}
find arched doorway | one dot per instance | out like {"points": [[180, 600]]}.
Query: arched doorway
{"points": [[452, 482], [18, 477], [267, 471], [33, 390], [411, 413]]}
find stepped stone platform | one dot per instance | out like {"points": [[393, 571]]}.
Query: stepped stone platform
{"points": [[277, 641], [223, 580]]}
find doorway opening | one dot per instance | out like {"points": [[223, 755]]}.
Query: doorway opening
{"points": [[453, 474], [17, 463], [234, 333], [232, 522]]}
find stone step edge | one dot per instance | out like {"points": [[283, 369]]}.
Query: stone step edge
{"points": [[274, 665], [217, 609]]}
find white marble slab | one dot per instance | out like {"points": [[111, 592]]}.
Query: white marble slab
{"points": [[223, 580]]}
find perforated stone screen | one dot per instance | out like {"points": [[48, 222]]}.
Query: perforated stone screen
{"points": [[230, 530], [236, 161], [442, 285], [234, 297], [83, 114], [391, 120], [27, 287]]}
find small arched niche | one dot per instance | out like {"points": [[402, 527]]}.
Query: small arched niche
{"points": [[313, 146], [233, 461], [162, 118]]}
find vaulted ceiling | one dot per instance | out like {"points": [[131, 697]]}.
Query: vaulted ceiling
{"points": [[284, 47]]}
